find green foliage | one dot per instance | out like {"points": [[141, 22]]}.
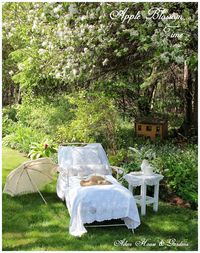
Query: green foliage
{"points": [[43, 149], [119, 158], [10, 112], [180, 170], [95, 120], [142, 153], [7, 125], [8, 120], [44, 114], [125, 134], [21, 138], [178, 165]]}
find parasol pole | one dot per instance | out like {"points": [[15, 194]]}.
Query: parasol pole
{"points": [[34, 185]]}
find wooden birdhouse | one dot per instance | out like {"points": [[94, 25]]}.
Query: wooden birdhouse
{"points": [[151, 127]]}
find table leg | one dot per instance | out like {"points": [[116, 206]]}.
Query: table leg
{"points": [[143, 199], [156, 194], [130, 187]]}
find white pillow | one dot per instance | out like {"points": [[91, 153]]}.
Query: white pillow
{"points": [[83, 161], [85, 156]]}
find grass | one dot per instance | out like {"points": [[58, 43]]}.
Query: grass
{"points": [[29, 224]]}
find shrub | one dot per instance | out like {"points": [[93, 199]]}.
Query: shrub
{"points": [[180, 169], [118, 158], [44, 114], [178, 165], [125, 134], [42, 149], [8, 120], [95, 120], [22, 137], [7, 125]]}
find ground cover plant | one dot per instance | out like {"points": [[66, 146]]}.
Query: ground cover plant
{"points": [[29, 224]]}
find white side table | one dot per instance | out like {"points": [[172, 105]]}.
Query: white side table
{"points": [[135, 179]]}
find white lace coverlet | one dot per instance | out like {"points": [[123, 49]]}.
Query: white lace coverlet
{"points": [[97, 203]]}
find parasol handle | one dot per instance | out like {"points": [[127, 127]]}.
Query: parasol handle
{"points": [[34, 185]]}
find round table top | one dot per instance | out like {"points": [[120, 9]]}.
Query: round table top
{"points": [[138, 178]]}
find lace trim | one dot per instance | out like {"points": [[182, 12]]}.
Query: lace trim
{"points": [[134, 181]]}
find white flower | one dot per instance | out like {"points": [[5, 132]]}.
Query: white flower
{"points": [[164, 57], [60, 33], [85, 49], [179, 59], [30, 59], [34, 25], [57, 9], [11, 73], [72, 9], [41, 51], [58, 75], [105, 62], [50, 45], [83, 18], [9, 35], [133, 32], [20, 66], [42, 15], [74, 72], [92, 15], [44, 43]]}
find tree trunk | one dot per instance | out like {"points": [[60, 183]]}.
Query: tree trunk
{"points": [[187, 86], [195, 114], [124, 106]]}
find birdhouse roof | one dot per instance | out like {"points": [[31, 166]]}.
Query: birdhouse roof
{"points": [[151, 119]]}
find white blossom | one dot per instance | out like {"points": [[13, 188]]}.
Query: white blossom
{"points": [[83, 18], [57, 9], [133, 32], [105, 62], [72, 9], [58, 75], [34, 25], [85, 49], [74, 71], [44, 43], [41, 51], [42, 15], [179, 59], [60, 33], [20, 66], [50, 46]]}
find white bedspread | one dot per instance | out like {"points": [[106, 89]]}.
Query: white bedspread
{"points": [[97, 203]]}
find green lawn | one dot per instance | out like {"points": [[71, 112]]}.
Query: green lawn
{"points": [[29, 224]]}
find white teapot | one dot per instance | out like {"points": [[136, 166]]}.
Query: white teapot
{"points": [[146, 168]]}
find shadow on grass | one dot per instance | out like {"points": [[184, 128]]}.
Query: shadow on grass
{"points": [[36, 226]]}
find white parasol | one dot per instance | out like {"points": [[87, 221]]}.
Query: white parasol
{"points": [[30, 177]]}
